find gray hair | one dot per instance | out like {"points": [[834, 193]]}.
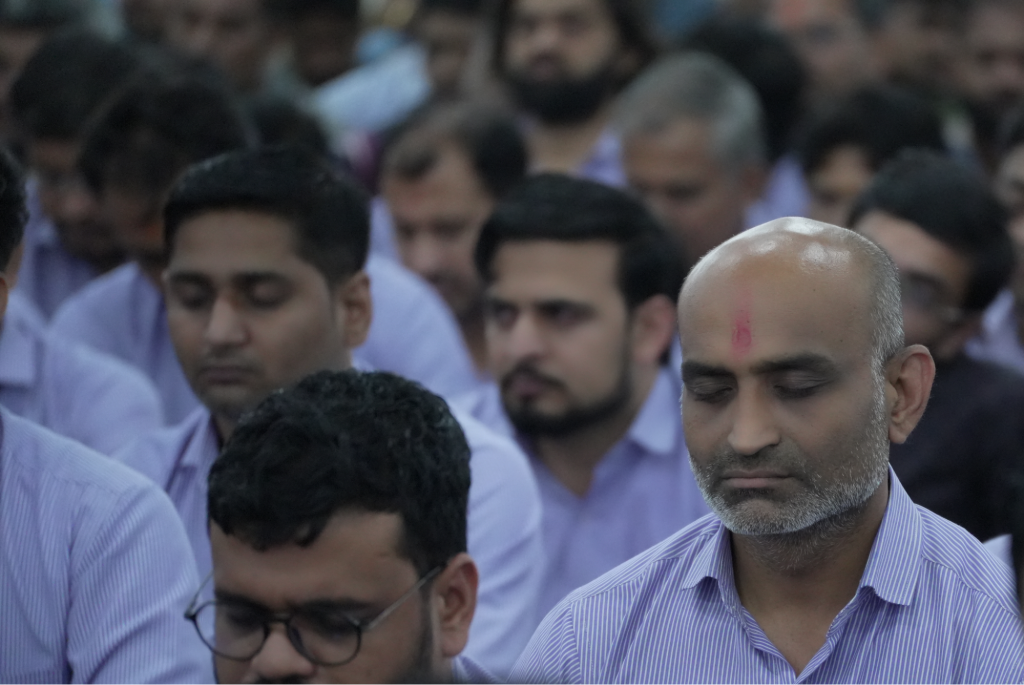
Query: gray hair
{"points": [[700, 86], [887, 338]]}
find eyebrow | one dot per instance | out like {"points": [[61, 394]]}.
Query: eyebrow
{"points": [[345, 604], [246, 278], [807, 361]]}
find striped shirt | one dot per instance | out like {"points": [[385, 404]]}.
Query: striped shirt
{"points": [[932, 606], [95, 570]]}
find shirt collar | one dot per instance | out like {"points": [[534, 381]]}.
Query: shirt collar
{"points": [[892, 568], [203, 445], [18, 350]]}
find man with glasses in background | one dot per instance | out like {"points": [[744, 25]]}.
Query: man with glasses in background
{"points": [[338, 531], [947, 234]]}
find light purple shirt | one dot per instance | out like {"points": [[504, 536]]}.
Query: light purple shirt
{"points": [[932, 607], [413, 334], [998, 342], [604, 164], [643, 490], [785, 194], [123, 314], [95, 570], [1001, 548], [75, 391], [49, 274], [504, 524]]}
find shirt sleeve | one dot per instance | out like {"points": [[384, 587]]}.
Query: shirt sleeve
{"points": [[552, 656], [506, 544], [132, 578]]}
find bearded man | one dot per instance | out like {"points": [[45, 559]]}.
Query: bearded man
{"points": [[815, 566]]}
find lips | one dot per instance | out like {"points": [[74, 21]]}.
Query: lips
{"points": [[759, 478], [225, 374]]}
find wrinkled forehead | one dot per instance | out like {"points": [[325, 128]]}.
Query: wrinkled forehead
{"points": [[775, 297]]}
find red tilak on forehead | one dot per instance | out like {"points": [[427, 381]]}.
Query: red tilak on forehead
{"points": [[742, 334]]}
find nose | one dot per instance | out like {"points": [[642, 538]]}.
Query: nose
{"points": [[753, 426], [226, 326], [424, 257], [77, 204], [279, 662]]}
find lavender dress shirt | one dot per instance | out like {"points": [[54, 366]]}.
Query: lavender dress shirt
{"points": [[643, 490], [413, 334], [1001, 548], [77, 392], [49, 274], [998, 342], [504, 524], [932, 606], [95, 570]]}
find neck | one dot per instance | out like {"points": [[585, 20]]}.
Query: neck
{"points": [[224, 426], [820, 566], [573, 458], [563, 148]]}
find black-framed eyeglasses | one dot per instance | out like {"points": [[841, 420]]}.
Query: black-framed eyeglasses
{"points": [[327, 637]]}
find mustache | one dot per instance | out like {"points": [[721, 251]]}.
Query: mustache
{"points": [[529, 371], [771, 458]]}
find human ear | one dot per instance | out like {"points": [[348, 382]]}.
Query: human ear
{"points": [[454, 593], [355, 308], [909, 378], [653, 325]]}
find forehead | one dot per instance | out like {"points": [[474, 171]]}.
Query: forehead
{"points": [[451, 183], [222, 8], [794, 14], [914, 250], [546, 269], [235, 240], [355, 555], [768, 307], [552, 8], [681, 148]]}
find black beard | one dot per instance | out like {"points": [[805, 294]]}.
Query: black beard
{"points": [[534, 425], [564, 101]]}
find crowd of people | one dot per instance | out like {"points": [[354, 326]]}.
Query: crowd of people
{"points": [[511, 341]]}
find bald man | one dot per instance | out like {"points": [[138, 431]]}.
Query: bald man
{"points": [[815, 565]]}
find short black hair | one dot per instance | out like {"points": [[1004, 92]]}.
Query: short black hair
{"points": [[12, 207], [489, 137], [67, 80], [465, 8], [629, 16], [159, 125], [878, 120], [346, 441], [768, 61], [280, 121], [329, 213], [953, 204], [292, 10], [560, 208]]}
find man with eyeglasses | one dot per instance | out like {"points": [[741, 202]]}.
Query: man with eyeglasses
{"points": [[947, 234], [338, 531]]}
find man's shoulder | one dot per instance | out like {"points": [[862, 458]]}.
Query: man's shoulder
{"points": [[35, 458], [107, 298], [158, 454], [669, 561], [953, 558]]}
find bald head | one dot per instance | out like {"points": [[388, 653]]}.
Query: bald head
{"points": [[799, 266]]}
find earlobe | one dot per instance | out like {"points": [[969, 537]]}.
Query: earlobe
{"points": [[455, 596], [909, 384], [654, 324], [356, 308]]}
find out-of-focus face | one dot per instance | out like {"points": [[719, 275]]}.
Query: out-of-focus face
{"points": [[17, 45], [918, 43], [837, 183], [991, 67], [323, 45], [831, 41], [68, 202], [448, 38], [233, 34], [934, 277], [1009, 187], [135, 217], [437, 220], [147, 18], [784, 418], [552, 46], [697, 197], [558, 334], [247, 315], [354, 568]]}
